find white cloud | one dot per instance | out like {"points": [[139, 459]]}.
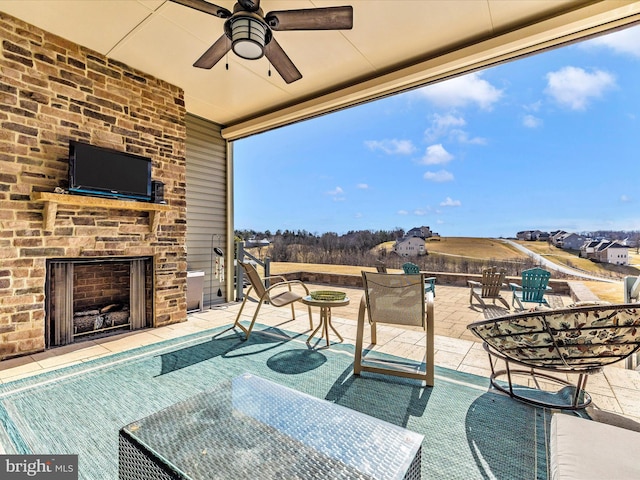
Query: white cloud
{"points": [[449, 126], [362, 186], [624, 41], [530, 121], [533, 107], [463, 137], [461, 91], [358, 215], [420, 212], [449, 202], [392, 146], [625, 198], [403, 212], [441, 125], [337, 194], [436, 155], [574, 87], [440, 176]]}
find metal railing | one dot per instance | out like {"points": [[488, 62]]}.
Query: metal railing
{"points": [[241, 253]]}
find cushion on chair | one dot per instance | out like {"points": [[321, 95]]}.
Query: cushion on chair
{"points": [[584, 449]]}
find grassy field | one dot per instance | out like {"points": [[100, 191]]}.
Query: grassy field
{"points": [[481, 248], [571, 259], [470, 247]]}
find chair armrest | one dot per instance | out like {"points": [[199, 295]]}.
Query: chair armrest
{"points": [[281, 277], [430, 279], [473, 283], [515, 286], [548, 288], [287, 283]]}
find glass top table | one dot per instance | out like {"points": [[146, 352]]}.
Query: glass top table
{"points": [[250, 427]]}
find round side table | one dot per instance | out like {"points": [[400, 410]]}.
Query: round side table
{"points": [[325, 315]]}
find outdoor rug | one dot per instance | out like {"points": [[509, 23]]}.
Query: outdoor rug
{"points": [[470, 431]]}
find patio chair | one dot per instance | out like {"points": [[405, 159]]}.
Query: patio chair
{"points": [[381, 268], [489, 287], [413, 269], [546, 345], [534, 286], [631, 289], [280, 294], [399, 300]]}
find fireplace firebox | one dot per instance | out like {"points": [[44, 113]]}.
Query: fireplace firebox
{"points": [[89, 298]]}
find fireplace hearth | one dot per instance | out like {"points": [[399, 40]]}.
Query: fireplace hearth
{"points": [[97, 297]]}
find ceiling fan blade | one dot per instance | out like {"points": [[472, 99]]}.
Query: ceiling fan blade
{"points": [[281, 62], [205, 7], [214, 53], [328, 18]]}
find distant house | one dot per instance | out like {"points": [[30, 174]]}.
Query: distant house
{"points": [[422, 232], [410, 246], [254, 242], [531, 235], [571, 241], [556, 237], [588, 248], [606, 251]]}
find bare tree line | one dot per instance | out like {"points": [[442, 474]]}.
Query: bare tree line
{"points": [[358, 248]]}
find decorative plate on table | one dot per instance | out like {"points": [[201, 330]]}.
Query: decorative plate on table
{"points": [[328, 295]]}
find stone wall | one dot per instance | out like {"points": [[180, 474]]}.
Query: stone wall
{"points": [[53, 91]]}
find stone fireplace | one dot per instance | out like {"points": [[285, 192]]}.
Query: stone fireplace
{"points": [[53, 91], [97, 297]]}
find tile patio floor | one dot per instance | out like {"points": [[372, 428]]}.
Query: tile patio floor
{"points": [[615, 390]]}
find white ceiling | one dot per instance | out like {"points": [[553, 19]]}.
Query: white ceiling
{"points": [[394, 45]]}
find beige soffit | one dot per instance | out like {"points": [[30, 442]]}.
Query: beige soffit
{"points": [[591, 20], [395, 45]]}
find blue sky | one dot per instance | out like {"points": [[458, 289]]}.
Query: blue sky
{"points": [[547, 142]]}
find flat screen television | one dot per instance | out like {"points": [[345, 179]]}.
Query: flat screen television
{"points": [[108, 173]]}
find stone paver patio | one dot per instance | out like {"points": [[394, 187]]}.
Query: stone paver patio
{"points": [[616, 390]]}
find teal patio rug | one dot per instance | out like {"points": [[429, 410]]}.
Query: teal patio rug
{"points": [[470, 432]]}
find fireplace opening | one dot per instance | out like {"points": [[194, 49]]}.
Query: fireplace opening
{"points": [[93, 298]]}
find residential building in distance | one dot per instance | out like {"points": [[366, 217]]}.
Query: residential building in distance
{"points": [[571, 241], [531, 235], [423, 232], [410, 246], [606, 251]]}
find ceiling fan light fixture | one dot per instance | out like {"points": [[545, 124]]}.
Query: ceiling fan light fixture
{"points": [[248, 37]]}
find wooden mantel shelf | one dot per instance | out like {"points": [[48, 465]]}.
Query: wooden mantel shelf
{"points": [[52, 200]]}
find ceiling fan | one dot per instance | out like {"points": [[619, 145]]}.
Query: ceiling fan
{"points": [[248, 31]]}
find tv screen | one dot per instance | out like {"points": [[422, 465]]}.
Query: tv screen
{"points": [[106, 172]]}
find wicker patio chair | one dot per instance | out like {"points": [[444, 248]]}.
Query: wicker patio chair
{"points": [[548, 344], [279, 294], [399, 300], [489, 287]]}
